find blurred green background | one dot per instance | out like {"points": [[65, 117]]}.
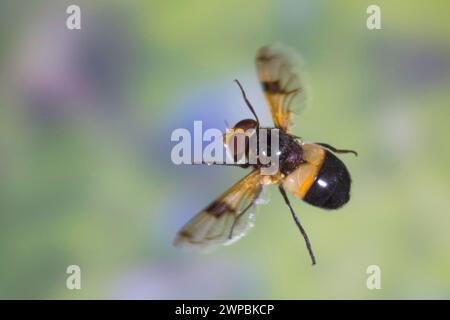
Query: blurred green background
{"points": [[85, 170]]}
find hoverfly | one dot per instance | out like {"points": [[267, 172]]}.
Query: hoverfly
{"points": [[308, 170]]}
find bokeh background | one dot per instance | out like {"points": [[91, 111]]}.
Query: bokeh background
{"points": [[85, 170]]}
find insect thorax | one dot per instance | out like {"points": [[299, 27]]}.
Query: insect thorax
{"points": [[289, 149], [291, 153]]}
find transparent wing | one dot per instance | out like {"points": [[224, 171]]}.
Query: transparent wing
{"points": [[278, 70], [233, 210]]}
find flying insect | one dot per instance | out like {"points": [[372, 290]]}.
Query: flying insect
{"points": [[310, 171]]}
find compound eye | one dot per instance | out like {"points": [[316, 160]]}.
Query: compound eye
{"points": [[246, 124], [236, 140]]}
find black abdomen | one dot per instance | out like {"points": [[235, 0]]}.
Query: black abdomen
{"points": [[331, 188]]}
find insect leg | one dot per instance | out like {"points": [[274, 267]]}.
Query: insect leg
{"points": [[230, 236], [221, 164], [249, 105], [297, 222], [336, 150]]}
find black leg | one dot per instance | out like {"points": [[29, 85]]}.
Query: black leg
{"points": [[230, 235], [245, 165], [336, 150], [249, 105], [297, 222]]}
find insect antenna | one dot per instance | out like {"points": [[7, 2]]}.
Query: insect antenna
{"points": [[247, 102], [227, 125], [297, 222]]}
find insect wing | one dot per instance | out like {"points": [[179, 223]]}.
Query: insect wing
{"points": [[233, 210], [278, 69]]}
